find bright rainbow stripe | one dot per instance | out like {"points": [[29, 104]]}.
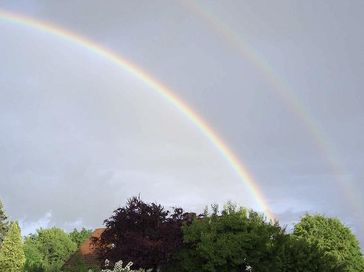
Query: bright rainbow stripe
{"points": [[161, 89], [292, 102]]}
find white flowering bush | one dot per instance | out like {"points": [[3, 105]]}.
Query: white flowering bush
{"points": [[118, 267]]}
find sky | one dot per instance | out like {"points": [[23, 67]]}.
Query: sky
{"points": [[280, 83]]}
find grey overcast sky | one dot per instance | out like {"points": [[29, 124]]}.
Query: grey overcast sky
{"points": [[280, 81]]}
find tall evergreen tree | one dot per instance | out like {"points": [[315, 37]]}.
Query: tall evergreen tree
{"points": [[4, 224], [12, 256]]}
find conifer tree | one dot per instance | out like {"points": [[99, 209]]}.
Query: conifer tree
{"points": [[4, 224], [12, 256]]}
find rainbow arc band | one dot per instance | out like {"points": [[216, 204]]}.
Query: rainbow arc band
{"points": [[158, 87], [315, 131]]}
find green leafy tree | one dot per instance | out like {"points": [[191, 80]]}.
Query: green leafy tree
{"points": [[12, 257], [34, 258], [333, 239], [238, 239], [48, 249], [4, 224], [298, 255], [235, 240], [79, 236]]}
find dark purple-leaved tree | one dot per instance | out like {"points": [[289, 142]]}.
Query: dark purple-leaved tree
{"points": [[144, 233]]}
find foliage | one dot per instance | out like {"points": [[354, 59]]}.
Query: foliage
{"points": [[12, 257], [47, 250], [145, 233], [333, 238], [80, 266], [241, 240], [34, 258], [4, 224], [235, 240], [298, 255], [79, 236]]}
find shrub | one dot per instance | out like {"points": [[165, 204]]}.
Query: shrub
{"points": [[119, 268]]}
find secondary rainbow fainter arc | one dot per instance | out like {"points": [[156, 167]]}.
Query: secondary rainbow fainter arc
{"points": [[158, 87], [315, 131]]}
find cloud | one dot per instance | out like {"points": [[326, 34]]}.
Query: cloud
{"points": [[28, 226]]}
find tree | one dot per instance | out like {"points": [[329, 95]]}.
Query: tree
{"points": [[298, 255], [48, 249], [12, 257], [234, 240], [4, 224], [79, 236], [332, 238], [34, 259], [238, 239], [146, 234]]}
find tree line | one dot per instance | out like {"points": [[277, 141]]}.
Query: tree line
{"points": [[231, 239]]}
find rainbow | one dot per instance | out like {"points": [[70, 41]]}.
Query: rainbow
{"points": [[284, 92], [158, 87]]}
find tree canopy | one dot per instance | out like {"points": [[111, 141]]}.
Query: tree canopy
{"points": [[12, 257], [79, 236], [48, 249], [235, 240], [333, 238], [146, 234], [298, 255], [238, 239]]}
